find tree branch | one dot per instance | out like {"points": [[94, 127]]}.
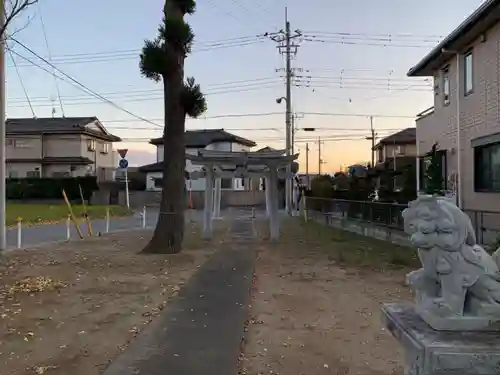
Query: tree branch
{"points": [[16, 8]]}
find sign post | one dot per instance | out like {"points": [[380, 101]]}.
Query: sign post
{"points": [[123, 164]]}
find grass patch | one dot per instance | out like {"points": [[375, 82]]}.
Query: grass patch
{"points": [[34, 214], [313, 239]]}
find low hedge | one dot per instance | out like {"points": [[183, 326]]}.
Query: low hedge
{"points": [[50, 188]]}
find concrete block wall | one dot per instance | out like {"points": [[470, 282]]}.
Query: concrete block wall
{"points": [[229, 198]]}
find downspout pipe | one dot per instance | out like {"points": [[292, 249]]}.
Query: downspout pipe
{"points": [[459, 146]]}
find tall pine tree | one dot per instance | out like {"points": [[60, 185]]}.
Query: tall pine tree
{"points": [[162, 60]]}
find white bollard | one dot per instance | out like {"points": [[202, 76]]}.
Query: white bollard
{"points": [[68, 228], [144, 217], [107, 220], [19, 232]]}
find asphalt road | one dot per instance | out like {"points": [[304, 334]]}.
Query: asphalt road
{"points": [[58, 232], [40, 234]]}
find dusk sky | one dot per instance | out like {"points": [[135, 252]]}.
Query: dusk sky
{"points": [[351, 63]]}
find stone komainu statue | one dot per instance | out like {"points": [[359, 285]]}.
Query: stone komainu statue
{"points": [[458, 286]]}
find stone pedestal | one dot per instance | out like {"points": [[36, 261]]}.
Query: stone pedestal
{"points": [[430, 352]]}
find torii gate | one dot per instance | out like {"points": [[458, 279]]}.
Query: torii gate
{"points": [[229, 164]]}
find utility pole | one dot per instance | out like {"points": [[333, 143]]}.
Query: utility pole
{"points": [[288, 183], [307, 166], [3, 239], [319, 156], [372, 136], [394, 165], [284, 40]]}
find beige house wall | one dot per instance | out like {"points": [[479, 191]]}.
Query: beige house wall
{"points": [[388, 151], [20, 170], [479, 116], [54, 145], [24, 147]]}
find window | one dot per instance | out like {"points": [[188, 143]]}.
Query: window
{"points": [[13, 174], [105, 148], [33, 174], [487, 168], [446, 85], [398, 150], [158, 183], [468, 73], [226, 183], [424, 163], [19, 143], [91, 144]]}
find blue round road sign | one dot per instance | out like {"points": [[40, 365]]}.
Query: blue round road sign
{"points": [[123, 163]]}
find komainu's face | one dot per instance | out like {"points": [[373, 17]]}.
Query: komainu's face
{"points": [[429, 225]]}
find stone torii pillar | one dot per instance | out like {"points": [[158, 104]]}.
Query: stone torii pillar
{"points": [[217, 197], [274, 224], [267, 186], [209, 202]]}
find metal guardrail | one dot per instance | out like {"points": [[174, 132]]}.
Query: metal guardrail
{"points": [[378, 213], [486, 223]]}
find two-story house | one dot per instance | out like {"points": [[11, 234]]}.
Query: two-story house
{"points": [[465, 118], [59, 147], [402, 144], [396, 152], [216, 139]]}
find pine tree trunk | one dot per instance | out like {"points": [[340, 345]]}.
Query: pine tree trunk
{"points": [[169, 231]]}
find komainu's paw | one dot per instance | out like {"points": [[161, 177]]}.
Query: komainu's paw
{"points": [[441, 308]]}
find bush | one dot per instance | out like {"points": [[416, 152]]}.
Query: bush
{"points": [[51, 188]]}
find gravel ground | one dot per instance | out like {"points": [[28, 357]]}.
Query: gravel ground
{"points": [[71, 308], [312, 314]]}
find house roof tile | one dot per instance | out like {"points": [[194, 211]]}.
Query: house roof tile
{"points": [[405, 136], [482, 19], [58, 125], [202, 138]]}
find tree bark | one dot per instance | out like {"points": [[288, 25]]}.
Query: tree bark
{"points": [[169, 231]]}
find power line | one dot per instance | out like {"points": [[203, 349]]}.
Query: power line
{"points": [[263, 114], [369, 42], [149, 98], [149, 92], [50, 59], [77, 83], [266, 114], [242, 6], [241, 84], [430, 38], [133, 54], [22, 84], [342, 77], [352, 86]]}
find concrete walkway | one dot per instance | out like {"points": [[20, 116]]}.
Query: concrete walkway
{"points": [[200, 332]]}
